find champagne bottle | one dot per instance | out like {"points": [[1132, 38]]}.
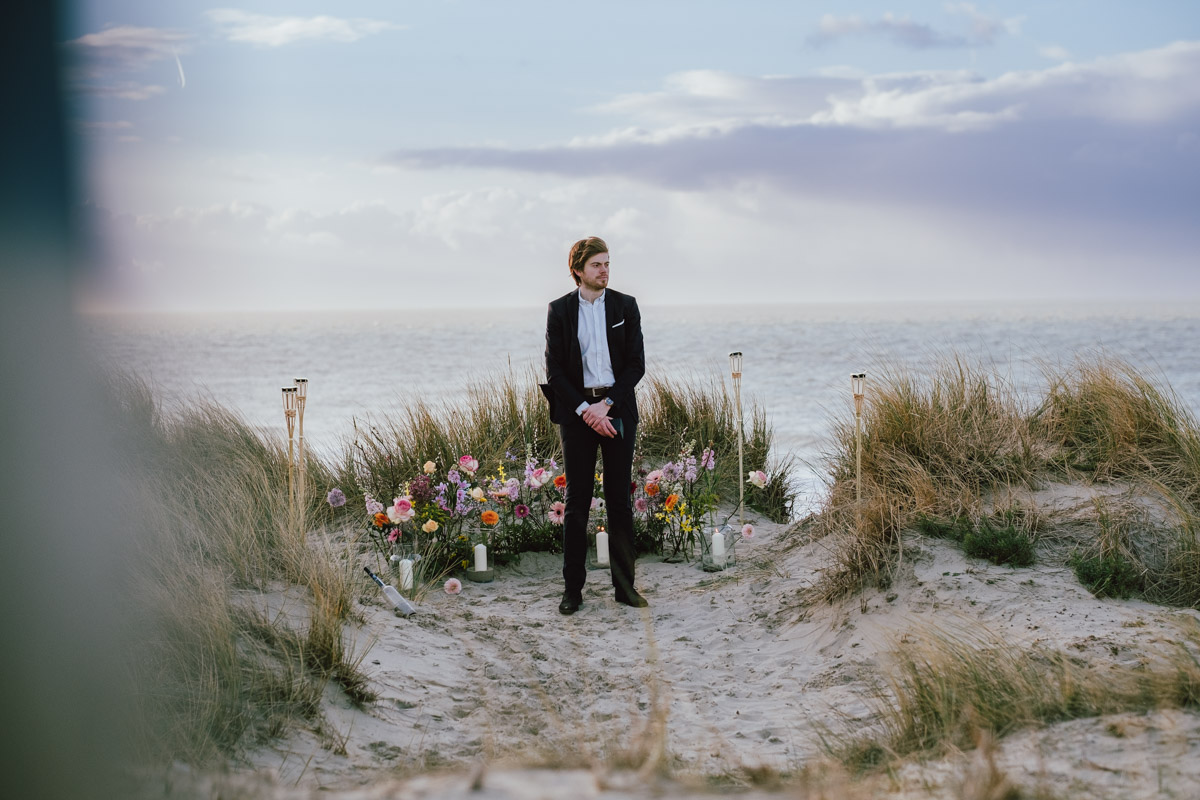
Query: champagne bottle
{"points": [[397, 600]]}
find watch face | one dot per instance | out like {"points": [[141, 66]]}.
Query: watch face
{"points": [[608, 401]]}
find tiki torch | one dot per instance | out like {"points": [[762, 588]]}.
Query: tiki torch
{"points": [[290, 403], [301, 396], [858, 383], [735, 368]]}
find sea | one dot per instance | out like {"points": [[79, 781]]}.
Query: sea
{"points": [[797, 359]]}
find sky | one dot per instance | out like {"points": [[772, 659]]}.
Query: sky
{"points": [[371, 154]]}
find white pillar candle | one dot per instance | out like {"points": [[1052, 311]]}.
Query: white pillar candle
{"points": [[718, 548], [480, 557], [601, 546], [406, 574]]}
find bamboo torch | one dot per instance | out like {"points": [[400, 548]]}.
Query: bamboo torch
{"points": [[858, 382], [301, 396], [735, 369], [289, 414]]}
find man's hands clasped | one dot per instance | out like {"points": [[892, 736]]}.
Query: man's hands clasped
{"points": [[596, 417]]}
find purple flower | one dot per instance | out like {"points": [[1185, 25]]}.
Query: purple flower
{"points": [[708, 459], [522, 511], [689, 473], [336, 498], [514, 488], [670, 472], [420, 489], [373, 506], [454, 477]]}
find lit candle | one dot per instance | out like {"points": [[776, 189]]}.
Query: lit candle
{"points": [[480, 558], [406, 574], [718, 549], [601, 546]]}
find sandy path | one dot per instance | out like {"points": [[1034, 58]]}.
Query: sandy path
{"points": [[743, 678]]}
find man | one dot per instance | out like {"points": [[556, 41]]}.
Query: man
{"points": [[594, 359]]}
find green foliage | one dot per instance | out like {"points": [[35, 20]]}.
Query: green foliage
{"points": [[1000, 545], [1107, 576]]}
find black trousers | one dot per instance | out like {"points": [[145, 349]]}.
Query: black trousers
{"points": [[580, 445]]}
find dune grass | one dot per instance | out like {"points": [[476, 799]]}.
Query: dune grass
{"points": [[946, 688], [215, 669], [940, 446], [505, 415]]}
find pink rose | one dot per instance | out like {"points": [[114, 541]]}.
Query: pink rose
{"points": [[453, 586], [747, 531], [757, 477], [640, 505], [468, 464], [401, 510], [539, 478]]}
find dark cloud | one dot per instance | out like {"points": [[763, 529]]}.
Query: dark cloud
{"points": [[982, 30], [1104, 150]]}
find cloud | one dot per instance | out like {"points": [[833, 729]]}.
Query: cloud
{"points": [[1054, 52], [982, 30], [102, 61], [1092, 150], [126, 47], [268, 31], [122, 90]]}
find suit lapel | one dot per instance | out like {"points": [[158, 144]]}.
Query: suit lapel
{"points": [[614, 311], [576, 357]]}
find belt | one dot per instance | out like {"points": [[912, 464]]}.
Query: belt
{"points": [[597, 392]]}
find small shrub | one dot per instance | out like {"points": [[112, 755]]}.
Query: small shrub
{"points": [[1107, 576], [1000, 545]]}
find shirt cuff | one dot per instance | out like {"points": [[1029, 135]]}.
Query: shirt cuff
{"points": [[582, 408]]}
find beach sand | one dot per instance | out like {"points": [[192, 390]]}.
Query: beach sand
{"points": [[725, 681]]}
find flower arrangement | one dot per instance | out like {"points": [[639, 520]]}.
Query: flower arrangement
{"points": [[671, 503]]}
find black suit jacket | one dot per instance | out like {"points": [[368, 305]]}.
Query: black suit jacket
{"points": [[564, 359]]}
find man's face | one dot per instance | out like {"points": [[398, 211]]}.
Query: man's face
{"points": [[595, 273]]}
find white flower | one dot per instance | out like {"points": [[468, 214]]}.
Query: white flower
{"points": [[430, 468], [747, 531], [757, 478]]}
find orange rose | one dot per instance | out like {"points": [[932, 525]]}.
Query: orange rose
{"points": [[651, 489], [672, 499], [381, 519], [560, 481], [490, 517]]}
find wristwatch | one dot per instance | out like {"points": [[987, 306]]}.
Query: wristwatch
{"points": [[608, 401]]}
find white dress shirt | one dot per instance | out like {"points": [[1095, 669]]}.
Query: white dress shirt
{"points": [[593, 343]]}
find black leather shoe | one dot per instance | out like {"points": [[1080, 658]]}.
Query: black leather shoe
{"points": [[634, 600], [570, 603]]}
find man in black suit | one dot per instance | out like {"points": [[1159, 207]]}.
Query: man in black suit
{"points": [[594, 359]]}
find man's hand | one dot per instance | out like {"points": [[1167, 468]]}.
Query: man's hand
{"points": [[596, 417]]}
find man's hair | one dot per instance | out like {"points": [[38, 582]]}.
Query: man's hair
{"points": [[582, 251]]}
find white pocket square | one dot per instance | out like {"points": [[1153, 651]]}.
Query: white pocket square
{"points": [[619, 324]]}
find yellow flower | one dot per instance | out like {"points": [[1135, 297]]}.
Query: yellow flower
{"points": [[464, 563], [430, 526]]}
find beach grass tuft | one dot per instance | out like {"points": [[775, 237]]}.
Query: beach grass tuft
{"points": [[936, 449], [219, 662], [946, 688]]}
